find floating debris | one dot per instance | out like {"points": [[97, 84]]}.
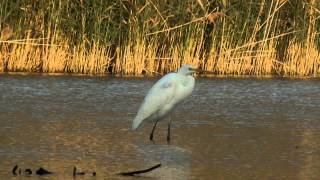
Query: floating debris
{"points": [[132, 173], [14, 170], [28, 171], [41, 171], [75, 173]]}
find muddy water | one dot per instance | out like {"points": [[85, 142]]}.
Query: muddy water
{"points": [[228, 129]]}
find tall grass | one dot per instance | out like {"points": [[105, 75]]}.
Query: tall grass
{"points": [[135, 37]]}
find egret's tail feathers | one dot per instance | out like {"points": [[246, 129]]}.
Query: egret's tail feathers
{"points": [[136, 122]]}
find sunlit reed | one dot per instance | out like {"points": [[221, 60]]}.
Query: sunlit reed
{"points": [[152, 38]]}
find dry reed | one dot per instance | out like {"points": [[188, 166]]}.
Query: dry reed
{"points": [[237, 45]]}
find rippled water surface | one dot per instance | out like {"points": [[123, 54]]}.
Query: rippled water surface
{"points": [[228, 129]]}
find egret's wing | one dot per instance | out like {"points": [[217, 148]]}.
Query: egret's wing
{"points": [[160, 94]]}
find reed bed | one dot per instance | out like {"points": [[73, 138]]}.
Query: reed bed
{"points": [[148, 37]]}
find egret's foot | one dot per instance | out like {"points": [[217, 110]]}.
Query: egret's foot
{"points": [[154, 127], [169, 132], [168, 139], [151, 137], [168, 136]]}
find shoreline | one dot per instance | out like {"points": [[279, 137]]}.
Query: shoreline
{"points": [[211, 76]]}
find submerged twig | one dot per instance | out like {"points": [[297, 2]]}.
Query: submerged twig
{"points": [[75, 173], [132, 173], [14, 170], [41, 171]]}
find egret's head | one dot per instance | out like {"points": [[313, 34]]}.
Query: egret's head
{"points": [[187, 69]]}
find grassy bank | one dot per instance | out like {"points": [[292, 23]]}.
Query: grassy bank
{"points": [[134, 37]]}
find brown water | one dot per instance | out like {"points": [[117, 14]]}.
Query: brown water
{"points": [[228, 129]]}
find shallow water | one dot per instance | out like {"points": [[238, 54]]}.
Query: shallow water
{"points": [[229, 128]]}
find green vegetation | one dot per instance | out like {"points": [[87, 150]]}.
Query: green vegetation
{"points": [[133, 37]]}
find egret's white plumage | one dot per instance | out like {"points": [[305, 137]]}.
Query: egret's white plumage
{"points": [[165, 95]]}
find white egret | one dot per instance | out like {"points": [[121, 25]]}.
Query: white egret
{"points": [[164, 96]]}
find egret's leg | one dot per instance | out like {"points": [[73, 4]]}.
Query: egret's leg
{"points": [[168, 135], [154, 127]]}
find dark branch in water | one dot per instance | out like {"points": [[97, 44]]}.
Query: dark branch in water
{"points": [[75, 173], [132, 173], [41, 171], [14, 170], [28, 171]]}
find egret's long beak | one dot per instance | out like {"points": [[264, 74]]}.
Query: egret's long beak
{"points": [[197, 70]]}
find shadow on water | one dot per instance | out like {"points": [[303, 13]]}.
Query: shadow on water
{"points": [[228, 129]]}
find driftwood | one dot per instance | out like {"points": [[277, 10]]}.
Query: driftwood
{"points": [[14, 170], [75, 173], [81, 173], [41, 171], [28, 171], [132, 173]]}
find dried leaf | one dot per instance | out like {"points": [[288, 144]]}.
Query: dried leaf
{"points": [[6, 33], [213, 16]]}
